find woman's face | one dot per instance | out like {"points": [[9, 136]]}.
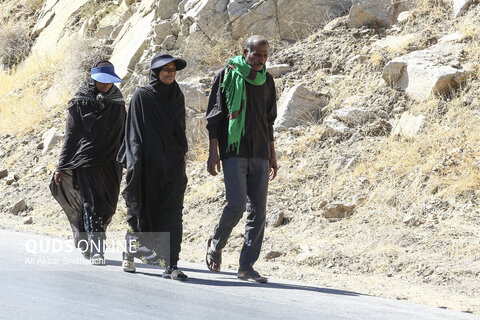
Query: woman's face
{"points": [[103, 87], [168, 72]]}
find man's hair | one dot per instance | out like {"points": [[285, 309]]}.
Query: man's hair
{"points": [[251, 41]]}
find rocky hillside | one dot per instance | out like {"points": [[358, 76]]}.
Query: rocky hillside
{"points": [[377, 143]]}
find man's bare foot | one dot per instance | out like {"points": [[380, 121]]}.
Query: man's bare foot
{"points": [[213, 258]]}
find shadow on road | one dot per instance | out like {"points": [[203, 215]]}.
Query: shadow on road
{"points": [[226, 276]]}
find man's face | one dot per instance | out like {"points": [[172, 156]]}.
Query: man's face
{"points": [[103, 87], [168, 72], [257, 57]]}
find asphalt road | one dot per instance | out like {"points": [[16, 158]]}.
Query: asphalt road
{"points": [[40, 280]]}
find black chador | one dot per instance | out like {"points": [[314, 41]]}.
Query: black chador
{"points": [[89, 188], [153, 153]]}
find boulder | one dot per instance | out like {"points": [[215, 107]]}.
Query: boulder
{"points": [[404, 16], [196, 97], [435, 70], [353, 115], [335, 127], [51, 28], [28, 220], [18, 207], [169, 42], [196, 124], [278, 70], [257, 18], [208, 16], [47, 14], [3, 173], [280, 216], [297, 18], [282, 19], [460, 6], [50, 138], [132, 40], [298, 105], [408, 126], [272, 255], [336, 211], [166, 8], [162, 30], [412, 221], [370, 12]]}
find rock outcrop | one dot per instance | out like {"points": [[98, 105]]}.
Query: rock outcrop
{"points": [[298, 105], [435, 70], [381, 12]]}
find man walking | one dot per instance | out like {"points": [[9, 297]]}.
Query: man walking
{"points": [[240, 115]]}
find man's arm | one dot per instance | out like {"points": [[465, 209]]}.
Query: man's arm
{"points": [[213, 163]]}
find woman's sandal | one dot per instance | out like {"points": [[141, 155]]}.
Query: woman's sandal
{"points": [[252, 274], [174, 274], [212, 256], [127, 263]]}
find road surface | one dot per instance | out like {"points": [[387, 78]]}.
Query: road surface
{"points": [[40, 281]]}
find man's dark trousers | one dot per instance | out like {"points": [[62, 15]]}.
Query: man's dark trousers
{"points": [[246, 185]]}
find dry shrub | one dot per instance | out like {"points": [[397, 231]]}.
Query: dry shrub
{"points": [[40, 87], [435, 8], [211, 54], [14, 44]]}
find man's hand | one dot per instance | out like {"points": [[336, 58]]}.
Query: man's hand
{"points": [[273, 162], [58, 177], [213, 163]]}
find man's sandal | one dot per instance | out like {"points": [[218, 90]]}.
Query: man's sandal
{"points": [[251, 274], [212, 256]]}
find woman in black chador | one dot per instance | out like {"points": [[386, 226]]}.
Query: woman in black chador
{"points": [[87, 180], [153, 152]]}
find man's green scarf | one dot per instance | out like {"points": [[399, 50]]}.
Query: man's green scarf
{"points": [[237, 72]]}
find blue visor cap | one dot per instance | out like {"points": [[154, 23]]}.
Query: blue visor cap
{"points": [[105, 75], [162, 59]]}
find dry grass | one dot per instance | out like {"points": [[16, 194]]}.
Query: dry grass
{"points": [[14, 44]]}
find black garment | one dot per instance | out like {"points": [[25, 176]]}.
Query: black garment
{"points": [[91, 183], [260, 115], [153, 152]]}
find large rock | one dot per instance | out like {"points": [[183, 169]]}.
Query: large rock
{"points": [[353, 115], [297, 18], [132, 39], [337, 211], [381, 12], [298, 105], [162, 30], [335, 127], [196, 98], [197, 133], [408, 126], [460, 6], [18, 207], [50, 138], [435, 70], [166, 8], [3, 173], [278, 70], [55, 15], [259, 18], [282, 19], [209, 16], [46, 16]]}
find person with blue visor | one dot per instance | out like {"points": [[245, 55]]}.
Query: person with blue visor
{"points": [[86, 182]]}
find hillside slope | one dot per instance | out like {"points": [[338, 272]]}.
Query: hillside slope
{"points": [[358, 204]]}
